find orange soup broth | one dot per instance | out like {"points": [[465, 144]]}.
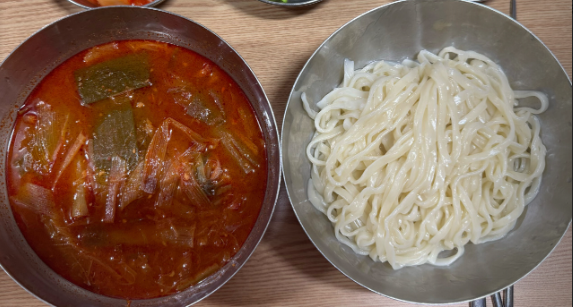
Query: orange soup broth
{"points": [[148, 269]]}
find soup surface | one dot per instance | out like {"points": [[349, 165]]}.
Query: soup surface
{"points": [[136, 169]]}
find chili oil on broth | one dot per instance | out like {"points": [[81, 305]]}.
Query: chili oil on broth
{"points": [[118, 218]]}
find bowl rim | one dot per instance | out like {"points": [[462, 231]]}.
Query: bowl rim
{"points": [[285, 4], [272, 119], [85, 7], [291, 97]]}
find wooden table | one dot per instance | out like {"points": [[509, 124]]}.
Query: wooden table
{"points": [[286, 269]]}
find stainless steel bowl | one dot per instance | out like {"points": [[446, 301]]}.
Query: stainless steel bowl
{"points": [[291, 3], [52, 45], [398, 31], [88, 5]]}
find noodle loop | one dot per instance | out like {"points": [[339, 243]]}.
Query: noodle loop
{"points": [[413, 159]]}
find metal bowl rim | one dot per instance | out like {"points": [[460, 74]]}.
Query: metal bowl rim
{"points": [[311, 2], [272, 117], [285, 176], [85, 7]]}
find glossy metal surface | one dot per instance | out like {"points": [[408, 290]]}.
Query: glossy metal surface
{"points": [[38, 55], [496, 300], [398, 31], [508, 297], [291, 3], [88, 5]]}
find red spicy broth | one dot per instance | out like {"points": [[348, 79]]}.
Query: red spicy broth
{"points": [[120, 2], [136, 169]]}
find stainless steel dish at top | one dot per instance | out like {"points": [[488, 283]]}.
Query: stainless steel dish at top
{"points": [[398, 31], [291, 3], [88, 5], [55, 43]]}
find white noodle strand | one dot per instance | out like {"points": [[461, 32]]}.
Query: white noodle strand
{"points": [[413, 159]]}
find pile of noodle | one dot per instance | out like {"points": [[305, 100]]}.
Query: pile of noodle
{"points": [[413, 159]]}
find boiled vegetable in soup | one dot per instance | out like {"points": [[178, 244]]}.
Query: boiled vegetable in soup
{"points": [[136, 169]]}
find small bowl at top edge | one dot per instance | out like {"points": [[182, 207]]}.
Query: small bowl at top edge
{"points": [[88, 6], [291, 3]]}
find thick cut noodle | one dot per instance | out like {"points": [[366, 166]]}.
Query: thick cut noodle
{"points": [[124, 181], [410, 160]]}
